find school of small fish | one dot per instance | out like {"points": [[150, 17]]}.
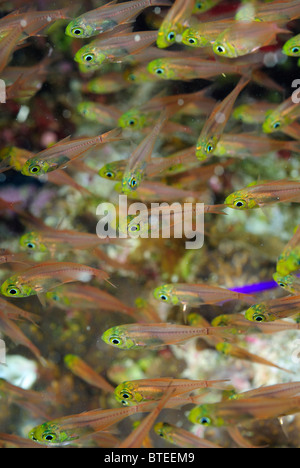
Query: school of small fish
{"points": [[135, 340]]}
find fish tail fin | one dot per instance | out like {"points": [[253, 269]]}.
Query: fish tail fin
{"points": [[112, 135]]}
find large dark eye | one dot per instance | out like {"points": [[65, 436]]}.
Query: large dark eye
{"points": [[133, 182], [159, 71], [77, 31], [259, 318], [126, 395], [30, 245], [171, 36], [49, 436], [295, 50], [88, 57], [209, 148], [239, 203], [205, 421], [220, 49], [34, 169], [115, 340], [191, 40], [109, 174], [13, 290], [276, 125], [135, 228], [163, 297]]}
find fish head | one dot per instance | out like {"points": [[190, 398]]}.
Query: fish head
{"points": [[203, 414], [205, 147], [50, 433], [192, 38], [133, 119], [240, 201], [224, 49], [89, 56], [80, 28], [110, 171], [118, 337], [163, 430], [35, 167], [258, 313], [292, 47], [31, 241], [165, 294], [126, 394], [161, 69], [12, 288], [166, 35]]}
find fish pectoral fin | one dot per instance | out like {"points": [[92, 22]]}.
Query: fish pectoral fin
{"points": [[42, 298]]}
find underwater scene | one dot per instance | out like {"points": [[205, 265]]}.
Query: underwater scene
{"points": [[149, 224]]}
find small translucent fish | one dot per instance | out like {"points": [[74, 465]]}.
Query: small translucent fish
{"points": [[13, 440], [274, 309], [9, 43], [108, 16], [290, 283], [240, 326], [264, 194], [84, 296], [135, 168], [205, 5], [289, 259], [181, 437], [245, 38], [215, 124], [136, 391], [174, 22], [32, 22], [80, 368], [282, 390], [205, 34], [254, 112], [243, 145], [16, 313], [190, 68], [137, 436], [96, 112], [105, 84], [155, 335], [64, 152], [48, 275], [280, 12], [9, 328], [114, 48], [196, 294], [150, 191], [230, 349], [66, 429], [53, 240], [282, 116], [232, 412]]}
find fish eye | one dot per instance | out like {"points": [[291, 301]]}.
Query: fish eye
{"points": [[30, 245], [209, 148], [132, 182], [49, 436], [159, 71], [135, 228], [126, 395], [239, 203], [88, 57], [131, 77], [199, 5], [114, 340], [34, 169], [163, 297], [109, 174], [192, 40], [220, 49], [276, 125], [295, 50], [259, 318], [131, 122], [13, 290], [171, 36], [205, 421], [77, 31]]}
